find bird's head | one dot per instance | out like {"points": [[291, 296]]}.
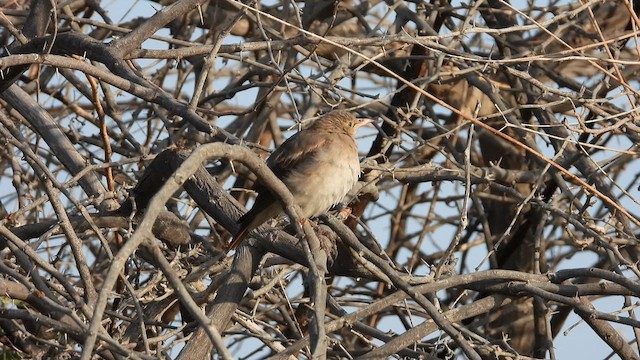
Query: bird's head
{"points": [[339, 121]]}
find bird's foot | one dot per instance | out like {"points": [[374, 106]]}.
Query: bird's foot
{"points": [[311, 222], [328, 241], [344, 213]]}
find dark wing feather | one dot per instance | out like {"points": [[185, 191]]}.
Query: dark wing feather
{"points": [[282, 161], [286, 158], [296, 149]]}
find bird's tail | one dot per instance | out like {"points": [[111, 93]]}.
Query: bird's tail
{"points": [[238, 237], [253, 219]]}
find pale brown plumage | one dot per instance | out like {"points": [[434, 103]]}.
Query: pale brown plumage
{"points": [[319, 165]]}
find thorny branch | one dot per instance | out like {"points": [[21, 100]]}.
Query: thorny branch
{"points": [[498, 205]]}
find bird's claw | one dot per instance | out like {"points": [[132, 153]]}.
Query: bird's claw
{"points": [[344, 213]]}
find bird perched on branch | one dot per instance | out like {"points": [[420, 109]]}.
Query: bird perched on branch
{"points": [[319, 165]]}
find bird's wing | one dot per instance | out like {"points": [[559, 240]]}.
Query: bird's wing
{"points": [[286, 158], [294, 151]]}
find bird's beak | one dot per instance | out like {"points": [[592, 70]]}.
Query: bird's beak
{"points": [[363, 122]]}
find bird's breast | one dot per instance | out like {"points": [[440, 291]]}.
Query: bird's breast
{"points": [[325, 180]]}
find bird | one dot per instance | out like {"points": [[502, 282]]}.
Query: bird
{"points": [[319, 165]]}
